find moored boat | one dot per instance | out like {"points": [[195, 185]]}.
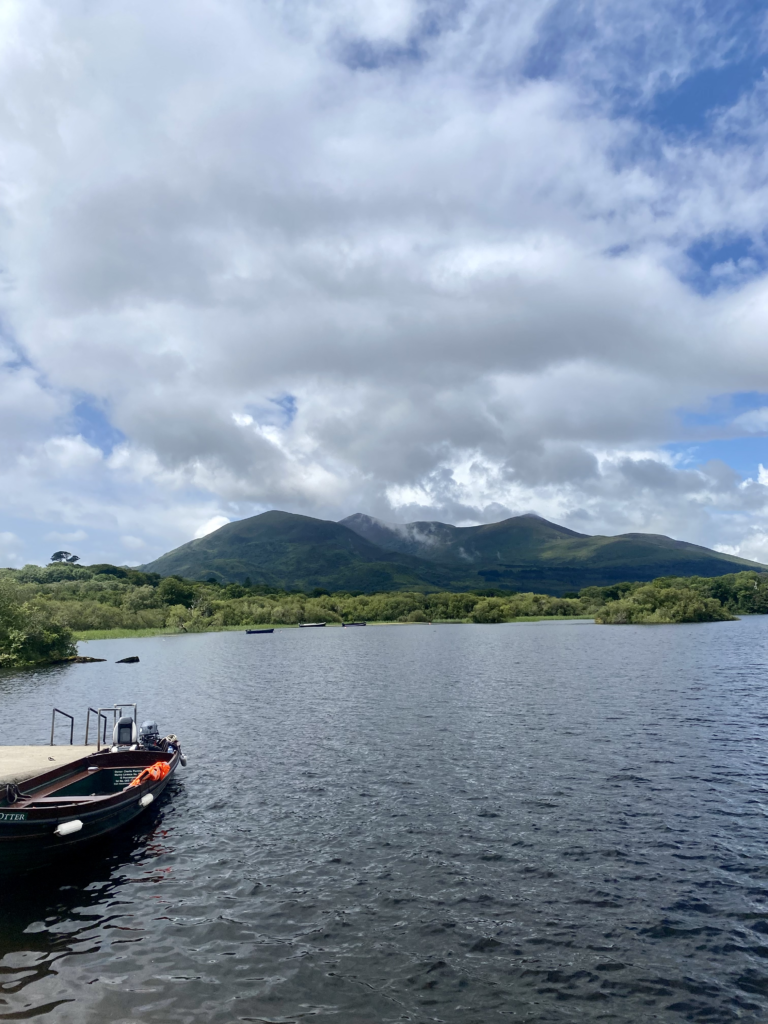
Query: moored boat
{"points": [[57, 813], [310, 625], [354, 623], [259, 631]]}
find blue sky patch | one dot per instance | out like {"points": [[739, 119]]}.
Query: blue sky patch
{"points": [[279, 412], [91, 422], [723, 410], [743, 454], [288, 406], [689, 106], [370, 55], [723, 262]]}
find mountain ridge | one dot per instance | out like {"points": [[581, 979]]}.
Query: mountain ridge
{"points": [[361, 553]]}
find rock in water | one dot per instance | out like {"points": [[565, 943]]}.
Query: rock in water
{"points": [[127, 661]]}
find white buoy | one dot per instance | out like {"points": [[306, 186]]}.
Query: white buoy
{"points": [[146, 800], [66, 828]]}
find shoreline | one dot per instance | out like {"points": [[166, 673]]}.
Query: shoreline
{"points": [[83, 636]]}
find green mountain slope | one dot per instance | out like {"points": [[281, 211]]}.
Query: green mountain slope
{"points": [[518, 540], [526, 553], [298, 553]]}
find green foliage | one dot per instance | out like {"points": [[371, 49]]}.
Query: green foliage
{"points": [[64, 556], [672, 599], [174, 590], [39, 608], [29, 632], [652, 604], [50, 573], [521, 606]]}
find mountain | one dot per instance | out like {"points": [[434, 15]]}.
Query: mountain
{"points": [[518, 551], [520, 539], [293, 552], [364, 554]]}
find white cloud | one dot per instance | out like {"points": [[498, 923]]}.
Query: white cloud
{"points": [[11, 549], [465, 281], [754, 422], [132, 543], [214, 523]]}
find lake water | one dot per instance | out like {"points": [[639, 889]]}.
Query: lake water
{"points": [[549, 822]]}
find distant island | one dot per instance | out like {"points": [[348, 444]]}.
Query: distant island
{"points": [[45, 610], [524, 553]]}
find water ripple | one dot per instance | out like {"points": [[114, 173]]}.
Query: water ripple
{"points": [[463, 824]]}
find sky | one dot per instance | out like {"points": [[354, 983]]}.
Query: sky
{"points": [[453, 261]]}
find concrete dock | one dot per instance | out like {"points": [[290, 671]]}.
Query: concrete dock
{"points": [[20, 763]]}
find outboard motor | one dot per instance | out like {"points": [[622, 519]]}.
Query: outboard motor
{"points": [[149, 736], [124, 733]]}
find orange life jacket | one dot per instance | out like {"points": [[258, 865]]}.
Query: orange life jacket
{"points": [[154, 773]]}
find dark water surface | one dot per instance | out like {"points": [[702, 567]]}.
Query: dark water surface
{"points": [[544, 822]]}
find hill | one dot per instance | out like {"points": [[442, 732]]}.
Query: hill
{"points": [[529, 547], [292, 552], [525, 553]]}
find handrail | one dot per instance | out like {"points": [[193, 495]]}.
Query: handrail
{"points": [[114, 709], [98, 723], [128, 704], [71, 724]]}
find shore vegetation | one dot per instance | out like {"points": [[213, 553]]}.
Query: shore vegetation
{"points": [[43, 610]]}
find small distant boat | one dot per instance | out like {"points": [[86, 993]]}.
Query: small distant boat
{"points": [[308, 625], [353, 623], [259, 631]]}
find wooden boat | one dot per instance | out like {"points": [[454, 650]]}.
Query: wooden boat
{"points": [[259, 631], [353, 623], [310, 625], [56, 814]]}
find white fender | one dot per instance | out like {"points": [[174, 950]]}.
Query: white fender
{"points": [[146, 800], [66, 828]]}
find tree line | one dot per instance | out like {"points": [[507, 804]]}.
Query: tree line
{"points": [[42, 607]]}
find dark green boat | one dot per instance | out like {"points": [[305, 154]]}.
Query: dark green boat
{"points": [[56, 814]]}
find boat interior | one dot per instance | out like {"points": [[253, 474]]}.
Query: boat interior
{"points": [[92, 777], [109, 770]]}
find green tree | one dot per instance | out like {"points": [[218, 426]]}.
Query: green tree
{"points": [[29, 634], [64, 556], [173, 590]]}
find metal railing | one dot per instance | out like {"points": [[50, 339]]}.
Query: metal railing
{"points": [[99, 716], [58, 711], [116, 709], [101, 733]]}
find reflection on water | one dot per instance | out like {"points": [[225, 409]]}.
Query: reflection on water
{"points": [[545, 823]]}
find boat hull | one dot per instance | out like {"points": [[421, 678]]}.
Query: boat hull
{"points": [[28, 838]]}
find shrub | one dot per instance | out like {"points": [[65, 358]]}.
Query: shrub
{"points": [[174, 591], [656, 604], [29, 634]]}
